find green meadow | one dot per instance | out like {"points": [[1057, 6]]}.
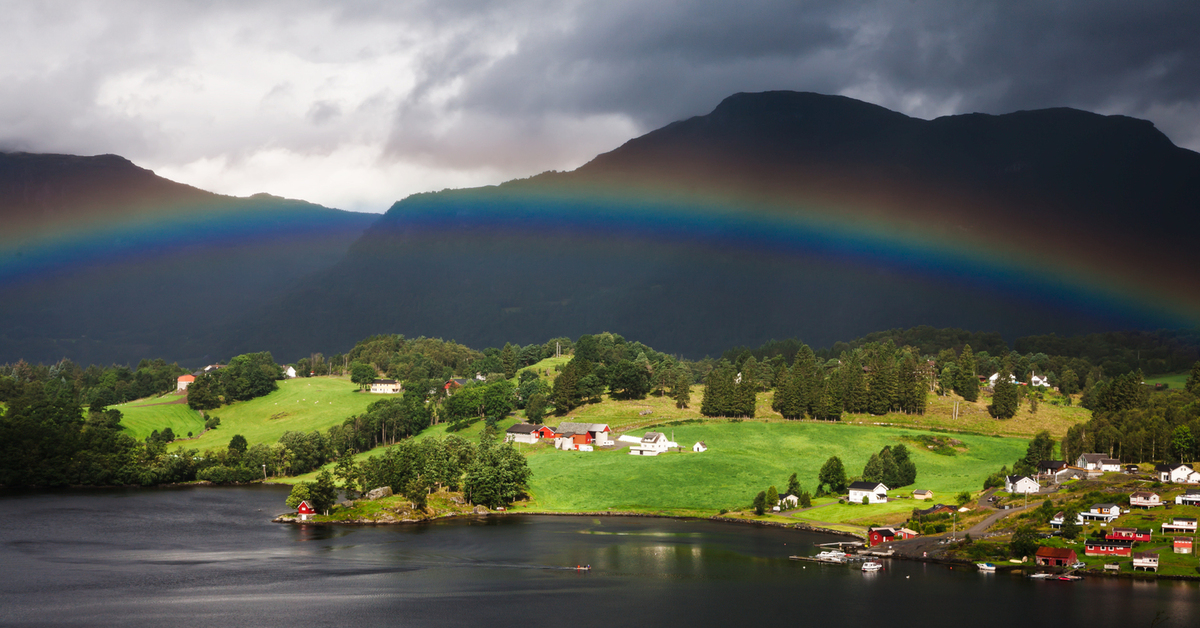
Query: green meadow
{"points": [[140, 418], [302, 404], [744, 458], [1175, 381]]}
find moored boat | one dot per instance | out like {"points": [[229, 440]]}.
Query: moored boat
{"points": [[871, 565], [985, 566]]}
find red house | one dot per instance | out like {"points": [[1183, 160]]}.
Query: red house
{"points": [[546, 432], [1183, 545], [1129, 534], [1055, 556], [875, 536], [305, 511], [1105, 547]]}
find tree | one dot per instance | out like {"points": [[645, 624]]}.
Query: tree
{"points": [[348, 472], [212, 422], [1039, 449], [873, 471], [968, 384], [1070, 527], [300, 492], [760, 503], [793, 486], [1182, 442], [1193, 380], [906, 469], [323, 492], [832, 477], [681, 390], [1068, 382], [772, 497], [508, 360], [535, 408], [497, 476], [1004, 399], [962, 498], [238, 444], [1024, 542], [362, 374]]}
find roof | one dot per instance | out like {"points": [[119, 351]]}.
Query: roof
{"points": [[384, 381], [1183, 519], [523, 428], [583, 427], [1013, 479], [935, 508], [866, 486], [1092, 457], [1103, 506], [1169, 467], [1109, 461], [1143, 494], [1146, 555], [1183, 540], [1055, 552], [187, 378], [1052, 464], [1112, 542], [651, 437], [922, 491]]}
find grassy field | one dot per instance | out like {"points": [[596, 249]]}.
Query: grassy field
{"points": [[744, 458], [1176, 381], [302, 404], [140, 418]]}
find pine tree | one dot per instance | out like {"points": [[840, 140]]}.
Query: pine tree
{"points": [[782, 402], [793, 487], [718, 388], [854, 384], [772, 497], [747, 389], [968, 383], [1193, 380], [681, 389], [881, 382], [508, 360], [806, 378], [1004, 399]]}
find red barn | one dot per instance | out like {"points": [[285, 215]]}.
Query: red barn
{"points": [[305, 511], [1129, 534], [875, 536], [1055, 556], [1105, 547], [546, 432]]}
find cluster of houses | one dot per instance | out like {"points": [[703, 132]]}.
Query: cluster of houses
{"points": [[183, 381], [1090, 466], [567, 436], [1120, 541]]}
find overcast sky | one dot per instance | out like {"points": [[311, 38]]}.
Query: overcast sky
{"points": [[358, 104]]}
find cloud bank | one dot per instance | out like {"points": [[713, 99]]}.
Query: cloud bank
{"points": [[358, 104]]}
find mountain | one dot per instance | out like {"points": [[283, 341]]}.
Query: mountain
{"points": [[103, 261], [782, 214]]}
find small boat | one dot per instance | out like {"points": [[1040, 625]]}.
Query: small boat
{"points": [[986, 567], [871, 565], [1070, 578], [583, 567], [832, 556], [1041, 576]]}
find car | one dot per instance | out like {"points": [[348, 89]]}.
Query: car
{"points": [[1078, 565]]}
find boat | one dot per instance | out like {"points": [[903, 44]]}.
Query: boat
{"points": [[1070, 578], [832, 556], [583, 567], [986, 566], [1041, 576], [871, 565]]}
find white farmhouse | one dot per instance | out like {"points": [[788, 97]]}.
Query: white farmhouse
{"points": [[1021, 484], [653, 443], [874, 492], [1177, 473], [385, 386], [699, 447], [289, 372]]}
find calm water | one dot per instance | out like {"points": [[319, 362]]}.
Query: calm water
{"points": [[207, 557]]}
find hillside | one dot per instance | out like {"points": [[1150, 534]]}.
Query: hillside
{"points": [[785, 214], [102, 261]]}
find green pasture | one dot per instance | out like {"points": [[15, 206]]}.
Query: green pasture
{"points": [[747, 457], [1174, 381], [140, 418], [301, 404]]}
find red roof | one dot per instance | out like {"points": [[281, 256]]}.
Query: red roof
{"points": [[305, 509], [1055, 552], [187, 378]]}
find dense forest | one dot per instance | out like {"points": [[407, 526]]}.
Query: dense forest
{"points": [[58, 428]]}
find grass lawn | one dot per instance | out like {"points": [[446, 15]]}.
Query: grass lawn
{"points": [[1175, 381], [744, 458], [140, 418], [301, 404]]}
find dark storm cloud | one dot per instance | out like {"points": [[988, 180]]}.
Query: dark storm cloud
{"points": [[402, 97]]}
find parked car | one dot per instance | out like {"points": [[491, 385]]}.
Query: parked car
{"points": [[1078, 565]]}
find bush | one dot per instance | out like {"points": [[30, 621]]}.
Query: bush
{"points": [[220, 474], [212, 422]]}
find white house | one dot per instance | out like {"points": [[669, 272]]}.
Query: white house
{"points": [[522, 433], [1145, 499], [1147, 561], [700, 448], [385, 386], [1179, 524], [874, 492], [1037, 380], [1106, 513], [289, 372], [789, 501], [1190, 498], [922, 493], [996, 376], [653, 443], [1021, 484], [1098, 462], [183, 382], [1177, 473]]}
